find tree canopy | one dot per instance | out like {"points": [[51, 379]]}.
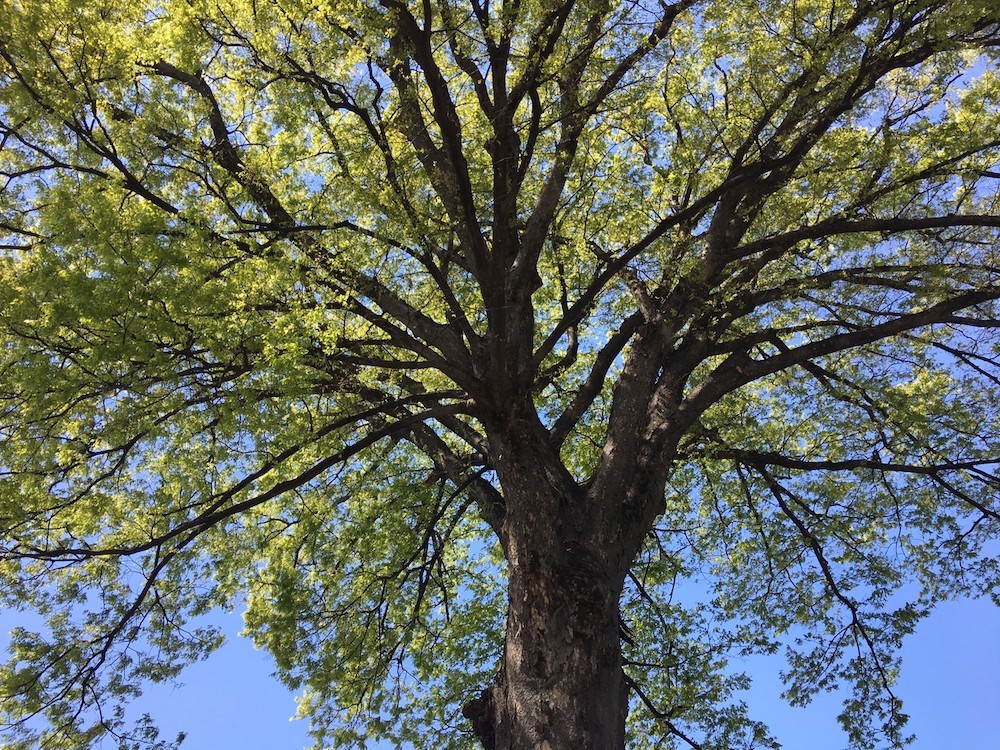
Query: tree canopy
{"points": [[484, 351]]}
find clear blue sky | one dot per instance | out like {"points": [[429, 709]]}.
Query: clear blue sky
{"points": [[950, 684]]}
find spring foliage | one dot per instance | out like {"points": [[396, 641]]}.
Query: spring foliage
{"points": [[270, 271]]}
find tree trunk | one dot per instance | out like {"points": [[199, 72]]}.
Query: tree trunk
{"points": [[560, 684]]}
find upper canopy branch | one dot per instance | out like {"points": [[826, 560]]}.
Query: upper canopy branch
{"points": [[577, 107], [771, 458], [739, 368], [432, 334], [834, 226], [446, 165]]}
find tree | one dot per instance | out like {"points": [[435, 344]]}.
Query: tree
{"points": [[513, 363]]}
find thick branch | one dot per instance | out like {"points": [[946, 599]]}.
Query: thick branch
{"points": [[595, 381], [834, 226], [739, 369]]}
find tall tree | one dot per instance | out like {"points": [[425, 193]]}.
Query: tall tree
{"points": [[513, 363]]}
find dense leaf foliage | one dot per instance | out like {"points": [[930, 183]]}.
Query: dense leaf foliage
{"points": [[276, 276]]}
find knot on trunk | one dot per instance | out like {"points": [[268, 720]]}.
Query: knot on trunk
{"points": [[479, 711]]}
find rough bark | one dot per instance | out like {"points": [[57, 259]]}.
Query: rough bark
{"points": [[560, 684]]}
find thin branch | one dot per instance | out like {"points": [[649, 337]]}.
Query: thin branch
{"points": [[220, 509]]}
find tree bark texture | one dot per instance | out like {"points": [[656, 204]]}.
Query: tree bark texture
{"points": [[560, 684]]}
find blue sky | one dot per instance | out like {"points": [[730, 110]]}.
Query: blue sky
{"points": [[950, 684]]}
